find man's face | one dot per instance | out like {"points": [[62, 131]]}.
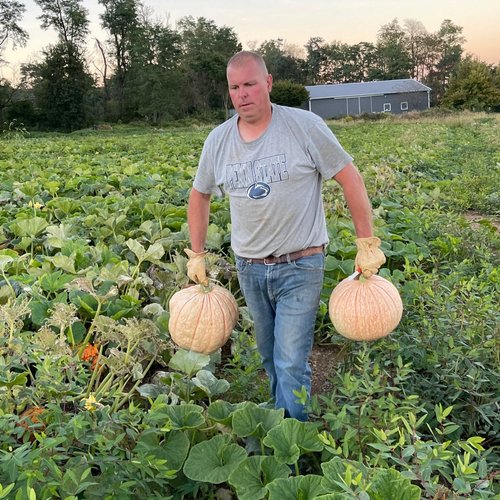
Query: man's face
{"points": [[249, 88]]}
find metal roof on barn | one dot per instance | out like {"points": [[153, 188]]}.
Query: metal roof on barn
{"points": [[339, 90]]}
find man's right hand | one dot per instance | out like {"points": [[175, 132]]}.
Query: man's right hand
{"points": [[196, 270]]}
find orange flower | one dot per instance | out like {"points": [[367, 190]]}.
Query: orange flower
{"points": [[91, 354]]}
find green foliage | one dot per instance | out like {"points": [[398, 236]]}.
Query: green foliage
{"points": [[93, 229], [472, 87], [287, 93]]}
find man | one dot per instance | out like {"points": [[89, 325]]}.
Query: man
{"points": [[271, 161]]}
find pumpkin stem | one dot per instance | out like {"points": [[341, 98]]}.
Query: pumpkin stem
{"points": [[206, 287]]}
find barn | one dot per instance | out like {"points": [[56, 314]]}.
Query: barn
{"points": [[387, 96]]}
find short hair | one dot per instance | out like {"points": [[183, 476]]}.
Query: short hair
{"points": [[240, 58]]}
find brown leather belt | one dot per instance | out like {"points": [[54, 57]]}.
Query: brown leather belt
{"points": [[288, 257]]}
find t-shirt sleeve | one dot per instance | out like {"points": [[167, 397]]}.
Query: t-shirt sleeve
{"points": [[204, 180], [325, 150]]}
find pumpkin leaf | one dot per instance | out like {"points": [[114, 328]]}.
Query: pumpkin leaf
{"points": [[173, 448], [214, 460], [254, 473], [188, 362], [209, 383], [290, 438], [57, 236], [222, 412], [187, 416], [296, 488], [63, 262], [5, 260], [390, 483], [153, 254], [252, 420], [29, 227]]}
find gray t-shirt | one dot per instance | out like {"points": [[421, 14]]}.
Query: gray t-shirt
{"points": [[273, 183]]}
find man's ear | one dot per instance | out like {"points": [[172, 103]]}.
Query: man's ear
{"points": [[269, 82]]}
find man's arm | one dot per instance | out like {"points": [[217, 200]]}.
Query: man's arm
{"points": [[357, 200], [197, 216]]}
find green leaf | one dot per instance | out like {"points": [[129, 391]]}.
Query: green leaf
{"points": [[6, 379], [214, 460], [174, 449], [5, 491], [336, 469], [188, 362], [221, 411], [389, 483], [57, 236], [64, 262], [136, 248], [254, 473], [252, 420], [154, 253], [291, 437], [209, 383], [296, 488], [29, 227], [5, 260], [187, 416]]}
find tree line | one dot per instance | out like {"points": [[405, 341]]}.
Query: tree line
{"points": [[146, 70]]}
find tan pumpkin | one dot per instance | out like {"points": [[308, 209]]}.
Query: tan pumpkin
{"points": [[365, 308], [202, 317]]}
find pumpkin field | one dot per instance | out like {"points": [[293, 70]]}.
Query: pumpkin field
{"points": [[98, 402]]}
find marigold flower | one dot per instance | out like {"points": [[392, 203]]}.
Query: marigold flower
{"points": [[90, 354]]}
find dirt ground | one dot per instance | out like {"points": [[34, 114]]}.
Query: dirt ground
{"points": [[323, 360]]}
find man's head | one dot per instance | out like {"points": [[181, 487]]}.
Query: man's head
{"points": [[249, 86]]}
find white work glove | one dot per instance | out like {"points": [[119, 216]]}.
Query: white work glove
{"points": [[196, 270], [369, 256]]}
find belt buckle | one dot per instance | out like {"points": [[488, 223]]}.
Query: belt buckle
{"points": [[269, 263]]}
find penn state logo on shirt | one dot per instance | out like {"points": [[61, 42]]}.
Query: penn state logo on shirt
{"points": [[258, 190]]}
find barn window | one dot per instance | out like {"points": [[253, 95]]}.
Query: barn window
{"points": [[387, 106], [404, 106]]}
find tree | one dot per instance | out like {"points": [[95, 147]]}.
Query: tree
{"points": [[472, 86], [287, 93], [416, 36], [206, 50], [61, 86], [61, 81], [280, 63], [448, 41], [121, 19], [154, 89], [11, 12], [315, 60], [393, 58]]}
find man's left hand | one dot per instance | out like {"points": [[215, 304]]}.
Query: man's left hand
{"points": [[369, 257]]}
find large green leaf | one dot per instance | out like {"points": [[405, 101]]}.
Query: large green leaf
{"points": [[221, 411], [296, 488], [209, 383], [187, 416], [29, 227], [214, 460], [173, 448], [254, 473], [252, 420], [153, 254], [188, 362], [290, 438], [390, 483]]}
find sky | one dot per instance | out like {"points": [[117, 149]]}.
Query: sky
{"points": [[294, 21]]}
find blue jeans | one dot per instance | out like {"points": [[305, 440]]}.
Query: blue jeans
{"points": [[283, 300]]}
